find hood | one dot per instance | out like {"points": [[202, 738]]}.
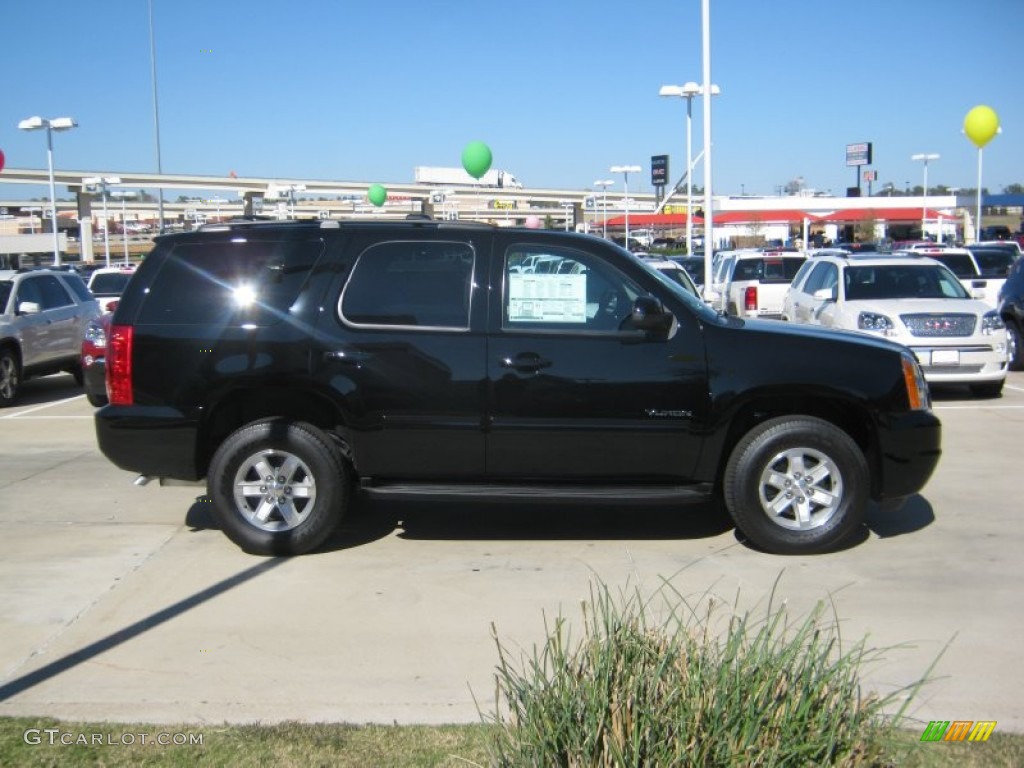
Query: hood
{"points": [[897, 307], [779, 329]]}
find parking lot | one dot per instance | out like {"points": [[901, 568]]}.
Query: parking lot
{"points": [[123, 603]]}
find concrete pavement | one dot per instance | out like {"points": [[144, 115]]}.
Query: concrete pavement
{"points": [[121, 603]]}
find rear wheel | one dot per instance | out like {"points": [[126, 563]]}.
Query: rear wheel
{"points": [[10, 377], [278, 488], [796, 485]]}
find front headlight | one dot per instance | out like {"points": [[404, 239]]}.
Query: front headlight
{"points": [[991, 322], [917, 388], [871, 321]]}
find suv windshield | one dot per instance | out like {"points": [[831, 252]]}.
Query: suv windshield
{"points": [[109, 283], [919, 281]]}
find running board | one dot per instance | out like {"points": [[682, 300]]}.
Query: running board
{"points": [[616, 494]]}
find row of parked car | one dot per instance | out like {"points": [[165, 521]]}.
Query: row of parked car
{"points": [[959, 310], [53, 320]]}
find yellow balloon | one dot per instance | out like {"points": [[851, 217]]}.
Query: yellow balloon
{"points": [[981, 124]]}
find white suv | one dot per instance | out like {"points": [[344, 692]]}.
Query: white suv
{"points": [[913, 300]]}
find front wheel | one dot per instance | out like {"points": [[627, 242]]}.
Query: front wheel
{"points": [[1016, 346], [796, 485], [278, 487], [10, 378]]}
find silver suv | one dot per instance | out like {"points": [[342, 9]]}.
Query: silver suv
{"points": [[43, 315]]}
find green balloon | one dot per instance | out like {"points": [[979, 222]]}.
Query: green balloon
{"points": [[476, 159], [377, 194]]}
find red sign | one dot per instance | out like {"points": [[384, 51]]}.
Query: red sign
{"points": [[1, 159]]}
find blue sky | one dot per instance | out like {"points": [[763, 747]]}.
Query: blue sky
{"points": [[560, 91]]}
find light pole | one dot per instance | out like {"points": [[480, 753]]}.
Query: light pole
{"points": [[625, 170], [56, 124], [124, 226], [102, 182], [688, 91], [924, 200], [604, 204]]}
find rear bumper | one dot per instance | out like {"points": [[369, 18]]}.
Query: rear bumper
{"points": [[149, 440], [910, 447]]}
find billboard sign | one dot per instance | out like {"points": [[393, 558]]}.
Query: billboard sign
{"points": [[659, 170], [858, 154]]}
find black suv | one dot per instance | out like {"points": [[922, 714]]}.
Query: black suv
{"points": [[1011, 309], [288, 363]]}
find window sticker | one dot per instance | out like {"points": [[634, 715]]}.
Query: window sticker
{"points": [[547, 298]]}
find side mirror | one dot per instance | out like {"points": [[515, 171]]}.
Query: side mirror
{"points": [[825, 294], [29, 308], [649, 315]]}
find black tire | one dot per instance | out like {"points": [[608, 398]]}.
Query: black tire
{"points": [[988, 389], [10, 377], [96, 401], [779, 452], [300, 507], [1016, 341]]}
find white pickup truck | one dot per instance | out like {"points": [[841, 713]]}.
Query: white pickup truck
{"points": [[754, 283]]}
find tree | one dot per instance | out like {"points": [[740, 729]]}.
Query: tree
{"points": [[1013, 189]]}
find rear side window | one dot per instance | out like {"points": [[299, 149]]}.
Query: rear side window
{"points": [[412, 284], [960, 263], [994, 263], [77, 286], [228, 280], [767, 269]]}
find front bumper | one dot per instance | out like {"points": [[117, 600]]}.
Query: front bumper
{"points": [[910, 446]]}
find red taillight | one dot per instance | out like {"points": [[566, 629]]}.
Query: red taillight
{"points": [[750, 298], [119, 365]]}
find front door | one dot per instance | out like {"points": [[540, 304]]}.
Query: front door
{"points": [[576, 393]]}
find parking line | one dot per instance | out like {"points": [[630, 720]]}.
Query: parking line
{"points": [[976, 407], [41, 407], [1015, 389]]}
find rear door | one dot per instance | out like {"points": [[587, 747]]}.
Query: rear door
{"points": [[401, 344], [575, 391]]}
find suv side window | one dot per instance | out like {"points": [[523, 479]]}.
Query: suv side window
{"points": [[211, 282], [28, 290], [574, 292], [78, 287], [825, 275], [418, 284], [54, 294]]}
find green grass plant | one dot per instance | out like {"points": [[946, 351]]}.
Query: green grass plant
{"points": [[637, 690]]}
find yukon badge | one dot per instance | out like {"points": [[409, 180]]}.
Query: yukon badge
{"points": [[658, 413]]}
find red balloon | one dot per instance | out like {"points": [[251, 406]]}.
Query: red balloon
{"points": [[1, 159]]}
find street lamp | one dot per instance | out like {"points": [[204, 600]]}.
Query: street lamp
{"points": [[124, 195], [56, 124], [101, 183], [625, 170], [688, 91], [604, 204], [924, 200]]}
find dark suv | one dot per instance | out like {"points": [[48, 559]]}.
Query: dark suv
{"points": [[288, 363], [1011, 309]]}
